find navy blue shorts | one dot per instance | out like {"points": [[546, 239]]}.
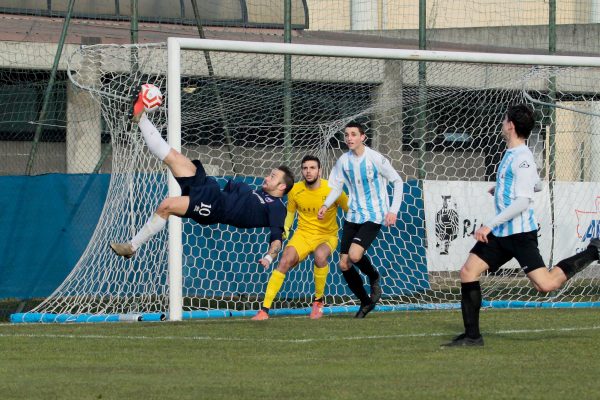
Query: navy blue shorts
{"points": [[206, 199], [362, 234], [499, 250]]}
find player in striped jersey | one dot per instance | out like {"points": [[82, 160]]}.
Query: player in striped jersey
{"points": [[319, 237], [512, 232], [366, 174]]}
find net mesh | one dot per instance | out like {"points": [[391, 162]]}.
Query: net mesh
{"points": [[438, 123]]}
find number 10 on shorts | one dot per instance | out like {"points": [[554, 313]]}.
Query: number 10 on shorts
{"points": [[203, 209]]}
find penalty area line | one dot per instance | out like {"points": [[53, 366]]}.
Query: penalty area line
{"points": [[291, 340]]}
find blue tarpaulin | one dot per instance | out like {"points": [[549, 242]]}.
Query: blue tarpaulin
{"points": [[46, 222]]}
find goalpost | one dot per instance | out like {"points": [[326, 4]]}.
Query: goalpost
{"points": [[435, 115]]}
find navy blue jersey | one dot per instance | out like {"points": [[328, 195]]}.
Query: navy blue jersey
{"points": [[248, 208]]}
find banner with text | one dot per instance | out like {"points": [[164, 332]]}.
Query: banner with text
{"points": [[577, 207], [455, 210]]}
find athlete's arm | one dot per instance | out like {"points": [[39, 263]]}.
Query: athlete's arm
{"points": [[332, 197], [518, 205], [274, 250], [388, 171], [291, 214], [342, 201], [277, 213], [392, 175], [289, 221], [336, 183]]}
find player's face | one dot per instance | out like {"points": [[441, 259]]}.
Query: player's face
{"points": [[353, 138], [310, 171], [273, 180], [506, 128]]}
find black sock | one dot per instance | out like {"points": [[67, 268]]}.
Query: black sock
{"points": [[265, 309], [579, 261], [470, 305], [356, 285], [365, 266]]}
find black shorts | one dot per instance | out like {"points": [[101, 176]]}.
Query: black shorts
{"points": [[499, 250], [205, 196], [362, 234]]}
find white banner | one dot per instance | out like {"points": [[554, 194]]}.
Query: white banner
{"points": [[455, 210], [577, 207]]}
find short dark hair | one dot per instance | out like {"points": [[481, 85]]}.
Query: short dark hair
{"points": [[288, 178], [358, 125], [521, 115], [310, 157]]}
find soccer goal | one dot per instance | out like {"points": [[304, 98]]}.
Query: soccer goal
{"points": [[244, 108]]}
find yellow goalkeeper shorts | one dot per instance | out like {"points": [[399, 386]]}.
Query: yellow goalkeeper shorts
{"points": [[307, 243]]}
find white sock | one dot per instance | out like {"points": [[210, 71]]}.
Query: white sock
{"points": [[155, 224], [156, 144]]}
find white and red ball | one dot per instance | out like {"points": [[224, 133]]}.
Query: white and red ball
{"points": [[151, 97]]}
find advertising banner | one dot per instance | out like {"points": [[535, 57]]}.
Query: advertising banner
{"points": [[577, 206], [455, 210]]}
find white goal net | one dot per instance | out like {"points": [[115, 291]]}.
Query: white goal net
{"points": [[243, 114]]}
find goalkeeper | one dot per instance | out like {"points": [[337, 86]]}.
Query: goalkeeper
{"points": [[319, 237], [203, 200]]}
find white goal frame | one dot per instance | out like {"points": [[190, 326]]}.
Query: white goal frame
{"points": [[175, 45]]}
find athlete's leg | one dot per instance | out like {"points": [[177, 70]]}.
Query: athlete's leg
{"points": [[470, 303], [470, 289], [321, 269], [350, 274], [320, 272], [169, 206], [289, 259], [353, 279], [355, 253], [180, 165], [545, 280], [578, 262], [321, 255], [367, 233], [355, 283], [363, 263]]}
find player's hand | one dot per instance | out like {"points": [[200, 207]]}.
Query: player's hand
{"points": [[482, 233], [265, 262], [390, 219], [321, 213], [492, 190]]}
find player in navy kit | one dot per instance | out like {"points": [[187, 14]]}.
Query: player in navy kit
{"points": [[203, 200], [512, 232]]}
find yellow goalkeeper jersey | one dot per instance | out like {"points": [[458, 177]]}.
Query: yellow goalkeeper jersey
{"points": [[307, 202]]}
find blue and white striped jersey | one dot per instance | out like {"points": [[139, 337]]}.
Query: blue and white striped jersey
{"points": [[366, 178], [516, 177]]}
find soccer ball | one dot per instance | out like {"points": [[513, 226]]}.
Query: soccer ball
{"points": [[151, 97]]}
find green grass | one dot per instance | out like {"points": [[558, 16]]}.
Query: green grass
{"points": [[528, 354]]}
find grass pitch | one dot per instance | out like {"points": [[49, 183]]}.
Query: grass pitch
{"points": [[528, 354]]}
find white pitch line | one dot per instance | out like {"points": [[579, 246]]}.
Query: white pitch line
{"points": [[308, 340]]}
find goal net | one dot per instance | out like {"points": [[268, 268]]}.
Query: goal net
{"points": [[243, 114]]}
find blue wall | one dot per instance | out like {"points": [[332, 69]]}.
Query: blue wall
{"points": [[46, 222]]}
